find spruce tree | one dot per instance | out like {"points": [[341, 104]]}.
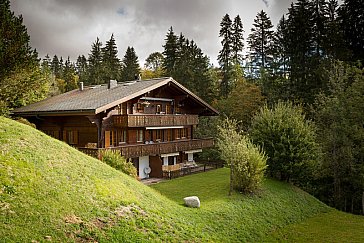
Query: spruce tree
{"points": [[170, 53], [95, 69], [280, 56], [352, 23], [237, 40], [81, 68], [131, 67], [260, 42], [69, 75], [56, 67], [225, 54], [110, 60], [15, 50]]}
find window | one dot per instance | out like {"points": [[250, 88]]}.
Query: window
{"points": [[158, 134], [183, 132], [168, 109], [178, 110], [171, 160], [139, 108], [72, 137], [54, 133], [140, 135], [121, 136], [178, 133], [159, 109]]}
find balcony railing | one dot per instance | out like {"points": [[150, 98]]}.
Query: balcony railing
{"points": [[154, 120], [138, 150]]}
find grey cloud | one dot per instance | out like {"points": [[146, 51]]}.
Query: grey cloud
{"points": [[68, 27]]}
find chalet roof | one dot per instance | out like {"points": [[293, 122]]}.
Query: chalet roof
{"points": [[98, 98]]}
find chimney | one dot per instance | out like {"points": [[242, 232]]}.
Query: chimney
{"points": [[112, 84], [81, 86]]}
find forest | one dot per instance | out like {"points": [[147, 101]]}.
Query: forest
{"points": [[296, 90]]}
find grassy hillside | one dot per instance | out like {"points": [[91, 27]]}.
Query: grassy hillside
{"points": [[49, 190]]}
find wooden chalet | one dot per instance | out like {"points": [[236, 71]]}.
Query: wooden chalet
{"points": [[150, 121]]}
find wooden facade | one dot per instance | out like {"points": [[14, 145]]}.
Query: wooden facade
{"points": [[152, 126]]}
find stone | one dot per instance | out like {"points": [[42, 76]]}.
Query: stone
{"points": [[192, 202]]}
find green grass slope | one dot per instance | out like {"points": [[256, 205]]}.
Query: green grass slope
{"points": [[50, 191]]}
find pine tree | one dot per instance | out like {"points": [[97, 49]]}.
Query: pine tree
{"points": [[131, 67], [95, 69], [46, 63], [225, 54], [69, 75], [352, 23], [16, 52], [280, 56], [81, 68], [237, 40], [170, 53], [110, 60], [190, 65], [260, 42], [55, 67]]}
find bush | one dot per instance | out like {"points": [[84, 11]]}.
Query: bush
{"points": [[115, 160], [247, 162], [289, 141]]}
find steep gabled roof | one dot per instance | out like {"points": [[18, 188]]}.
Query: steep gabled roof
{"points": [[95, 99]]}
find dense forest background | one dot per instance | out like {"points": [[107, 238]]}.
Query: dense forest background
{"points": [[312, 60]]}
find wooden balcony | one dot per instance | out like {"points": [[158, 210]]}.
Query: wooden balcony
{"points": [[131, 151], [138, 150], [152, 120]]}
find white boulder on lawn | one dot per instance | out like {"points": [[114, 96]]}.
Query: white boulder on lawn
{"points": [[192, 202]]}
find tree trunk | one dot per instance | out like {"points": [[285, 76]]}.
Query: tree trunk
{"points": [[362, 203], [231, 179]]}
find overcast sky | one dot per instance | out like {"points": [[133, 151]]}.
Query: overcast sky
{"points": [[69, 27]]}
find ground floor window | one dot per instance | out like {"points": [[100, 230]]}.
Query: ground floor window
{"points": [[72, 137], [53, 133], [140, 135]]}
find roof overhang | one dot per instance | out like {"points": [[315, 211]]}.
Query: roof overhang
{"points": [[56, 113]]}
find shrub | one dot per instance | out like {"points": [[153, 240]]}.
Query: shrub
{"points": [[288, 139], [247, 162], [115, 160]]}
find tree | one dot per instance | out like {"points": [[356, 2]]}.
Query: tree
{"points": [[339, 114], [15, 50], [170, 53], [81, 68], [289, 141], [237, 40], [69, 76], [352, 23], [153, 67], [131, 67], [23, 87], [186, 62], [242, 103], [154, 61], [95, 68], [247, 162], [260, 42], [225, 54], [280, 56], [110, 62]]}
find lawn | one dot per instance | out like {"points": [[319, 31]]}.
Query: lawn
{"points": [[250, 214], [333, 226], [51, 191]]}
